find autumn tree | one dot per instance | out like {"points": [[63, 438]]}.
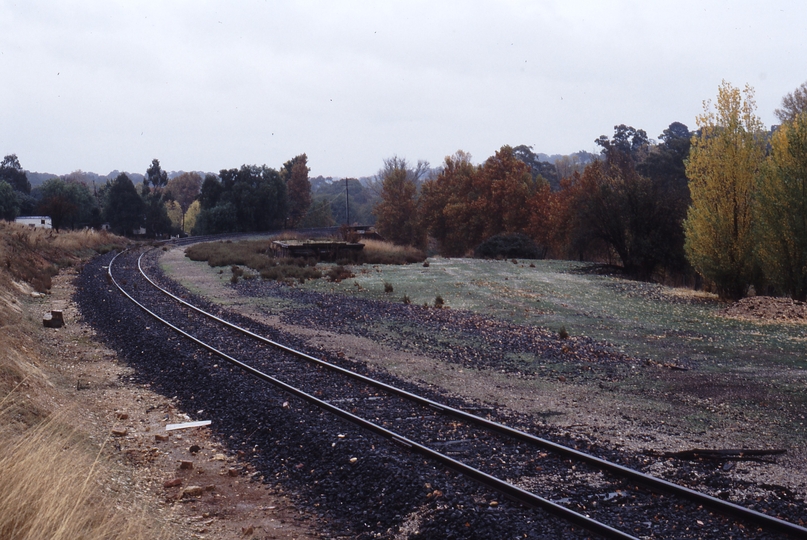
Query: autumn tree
{"points": [[295, 174], [793, 104], [189, 219], [722, 164], [397, 216], [184, 188], [446, 206], [781, 210], [505, 184]]}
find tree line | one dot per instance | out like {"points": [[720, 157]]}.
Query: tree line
{"points": [[725, 205], [252, 198]]}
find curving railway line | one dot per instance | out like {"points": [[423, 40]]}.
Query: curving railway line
{"points": [[579, 489]]}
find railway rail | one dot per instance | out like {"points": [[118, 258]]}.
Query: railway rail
{"points": [[477, 447]]}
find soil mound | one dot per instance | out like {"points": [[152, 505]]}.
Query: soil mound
{"points": [[768, 308]]}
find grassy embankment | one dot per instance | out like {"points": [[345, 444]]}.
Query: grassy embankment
{"points": [[51, 474]]}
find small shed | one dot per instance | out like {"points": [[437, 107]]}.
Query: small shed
{"points": [[43, 222]]}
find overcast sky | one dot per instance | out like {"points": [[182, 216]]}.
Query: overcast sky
{"points": [[202, 85]]}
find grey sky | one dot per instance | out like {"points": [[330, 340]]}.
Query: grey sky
{"points": [[202, 85]]}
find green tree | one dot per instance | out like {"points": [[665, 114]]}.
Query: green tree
{"points": [[251, 198], [544, 169], [781, 210], [723, 162], [124, 209], [318, 215], [637, 217], [12, 172], [397, 217], [295, 173], [210, 191], [9, 209], [69, 203], [155, 175]]}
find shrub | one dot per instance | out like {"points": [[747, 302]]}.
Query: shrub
{"points": [[388, 287], [406, 300], [438, 302], [337, 273], [562, 333], [508, 246]]}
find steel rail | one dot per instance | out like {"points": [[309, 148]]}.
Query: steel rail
{"points": [[649, 481], [511, 491]]}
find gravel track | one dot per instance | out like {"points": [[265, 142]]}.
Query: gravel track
{"points": [[361, 485]]}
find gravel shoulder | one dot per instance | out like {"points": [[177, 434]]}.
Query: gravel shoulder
{"points": [[213, 499], [628, 404]]}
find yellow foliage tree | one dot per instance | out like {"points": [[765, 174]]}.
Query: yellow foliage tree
{"points": [[174, 211], [191, 215], [723, 162], [781, 210]]}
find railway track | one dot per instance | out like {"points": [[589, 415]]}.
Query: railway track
{"points": [[603, 497]]}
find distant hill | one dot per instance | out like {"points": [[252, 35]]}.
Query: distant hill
{"points": [[37, 178]]}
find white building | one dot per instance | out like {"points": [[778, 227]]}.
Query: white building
{"points": [[35, 221]]}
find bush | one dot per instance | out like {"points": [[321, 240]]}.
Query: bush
{"points": [[509, 246], [388, 287], [439, 302], [337, 273]]}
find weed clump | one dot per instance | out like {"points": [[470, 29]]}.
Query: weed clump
{"points": [[406, 300], [338, 273], [562, 333], [439, 303], [388, 287]]}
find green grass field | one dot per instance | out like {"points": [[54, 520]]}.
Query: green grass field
{"points": [[640, 319]]}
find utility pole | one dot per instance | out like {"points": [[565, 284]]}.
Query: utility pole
{"points": [[347, 202]]}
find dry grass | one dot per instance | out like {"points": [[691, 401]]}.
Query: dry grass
{"points": [[251, 253], [51, 478], [380, 252], [35, 255], [50, 484]]}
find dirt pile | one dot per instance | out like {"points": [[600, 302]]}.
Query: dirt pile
{"points": [[768, 308]]}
